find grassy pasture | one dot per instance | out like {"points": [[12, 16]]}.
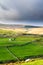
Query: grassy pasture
{"points": [[16, 41], [5, 55], [31, 50]]}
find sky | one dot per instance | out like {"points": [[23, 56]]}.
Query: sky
{"points": [[21, 10]]}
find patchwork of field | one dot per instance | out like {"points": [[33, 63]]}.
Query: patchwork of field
{"points": [[30, 50], [18, 46]]}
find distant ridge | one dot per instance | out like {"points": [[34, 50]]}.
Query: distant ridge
{"points": [[18, 26], [27, 26]]}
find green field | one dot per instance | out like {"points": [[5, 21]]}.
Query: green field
{"points": [[19, 40], [21, 47], [4, 54], [31, 50]]}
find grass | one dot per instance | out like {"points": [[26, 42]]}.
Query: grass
{"points": [[16, 41], [5, 42], [30, 50], [5, 55], [6, 33]]}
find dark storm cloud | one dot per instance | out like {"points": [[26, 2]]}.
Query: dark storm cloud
{"points": [[21, 9], [8, 14]]}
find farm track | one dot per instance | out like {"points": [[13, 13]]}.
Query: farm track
{"points": [[13, 55]]}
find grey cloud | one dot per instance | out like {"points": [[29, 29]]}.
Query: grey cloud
{"points": [[8, 14], [3, 7], [21, 9]]}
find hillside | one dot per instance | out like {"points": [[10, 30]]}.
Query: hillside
{"points": [[25, 30]]}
